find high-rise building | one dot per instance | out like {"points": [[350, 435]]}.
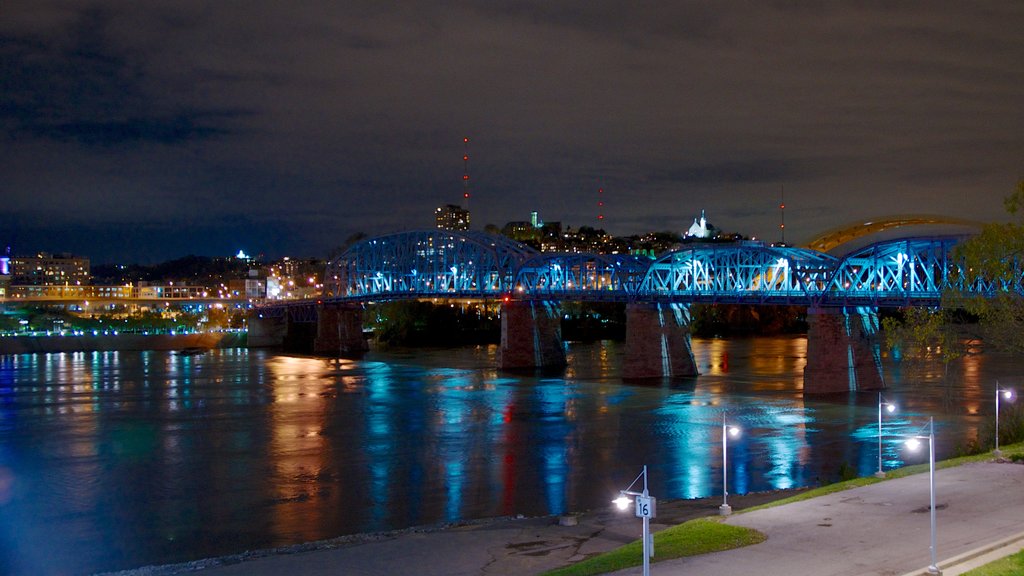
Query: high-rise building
{"points": [[46, 269], [452, 217]]}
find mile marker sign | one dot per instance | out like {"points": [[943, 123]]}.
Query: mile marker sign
{"points": [[646, 506]]}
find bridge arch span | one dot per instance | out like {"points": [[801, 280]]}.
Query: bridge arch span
{"points": [[832, 239], [749, 272]]}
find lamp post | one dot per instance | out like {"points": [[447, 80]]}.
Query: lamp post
{"points": [[645, 509], [1007, 394], [890, 407], [913, 444], [727, 431]]}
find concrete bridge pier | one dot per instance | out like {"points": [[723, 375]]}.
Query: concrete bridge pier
{"points": [[658, 341], [266, 331], [339, 330], [843, 351], [531, 335]]}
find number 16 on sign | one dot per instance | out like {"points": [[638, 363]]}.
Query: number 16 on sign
{"points": [[646, 506]]}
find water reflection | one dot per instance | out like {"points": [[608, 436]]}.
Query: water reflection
{"points": [[111, 460]]}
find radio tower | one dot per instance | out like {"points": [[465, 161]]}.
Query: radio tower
{"points": [[782, 212], [600, 205], [465, 175]]}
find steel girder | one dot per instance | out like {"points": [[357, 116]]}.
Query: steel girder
{"points": [[426, 263], [581, 276], [748, 272]]}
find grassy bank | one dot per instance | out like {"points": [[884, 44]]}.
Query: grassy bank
{"points": [[705, 535], [1009, 566], [691, 538]]}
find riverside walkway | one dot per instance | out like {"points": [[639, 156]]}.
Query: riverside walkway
{"points": [[880, 529]]}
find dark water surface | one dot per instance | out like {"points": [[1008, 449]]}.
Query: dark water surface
{"points": [[113, 460]]}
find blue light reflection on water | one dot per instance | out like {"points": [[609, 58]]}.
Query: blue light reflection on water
{"points": [[125, 459]]}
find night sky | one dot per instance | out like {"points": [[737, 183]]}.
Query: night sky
{"points": [[139, 131]]}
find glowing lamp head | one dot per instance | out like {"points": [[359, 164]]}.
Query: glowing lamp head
{"points": [[914, 443], [734, 431], [890, 408], [622, 502], [1007, 394]]}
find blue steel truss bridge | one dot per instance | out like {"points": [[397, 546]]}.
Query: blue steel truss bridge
{"points": [[842, 296], [473, 265]]}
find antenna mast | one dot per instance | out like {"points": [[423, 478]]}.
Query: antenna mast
{"points": [[465, 174], [782, 211], [600, 205]]}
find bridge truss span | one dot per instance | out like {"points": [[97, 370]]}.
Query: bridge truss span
{"points": [[581, 276], [475, 265], [742, 272], [427, 263], [903, 272]]}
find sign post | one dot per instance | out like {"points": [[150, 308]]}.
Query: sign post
{"points": [[645, 508]]}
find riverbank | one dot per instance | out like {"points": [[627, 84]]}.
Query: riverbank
{"points": [[493, 546], [879, 528], [115, 342]]}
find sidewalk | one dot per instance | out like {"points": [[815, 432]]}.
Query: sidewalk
{"points": [[881, 529]]}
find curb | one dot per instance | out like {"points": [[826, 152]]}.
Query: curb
{"points": [[1004, 546]]}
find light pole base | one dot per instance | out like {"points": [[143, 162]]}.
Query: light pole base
{"points": [[724, 510], [997, 453], [879, 474], [934, 570]]}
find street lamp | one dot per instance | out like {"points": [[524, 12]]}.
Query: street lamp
{"points": [[890, 407], [645, 509], [727, 431], [1007, 394], [914, 443]]}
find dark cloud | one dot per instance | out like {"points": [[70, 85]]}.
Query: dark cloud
{"points": [[283, 127]]}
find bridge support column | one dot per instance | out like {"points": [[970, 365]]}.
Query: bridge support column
{"points": [[339, 330], [843, 353], [658, 341], [531, 335], [266, 331]]}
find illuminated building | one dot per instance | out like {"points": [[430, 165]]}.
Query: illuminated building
{"points": [[46, 269], [452, 217]]}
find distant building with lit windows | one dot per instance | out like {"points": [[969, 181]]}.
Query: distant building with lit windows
{"points": [[452, 217], [45, 269]]}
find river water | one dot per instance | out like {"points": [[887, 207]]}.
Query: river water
{"points": [[113, 460]]}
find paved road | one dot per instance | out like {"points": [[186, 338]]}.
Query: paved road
{"points": [[881, 529]]}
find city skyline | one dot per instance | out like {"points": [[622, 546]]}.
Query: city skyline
{"points": [[138, 133]]}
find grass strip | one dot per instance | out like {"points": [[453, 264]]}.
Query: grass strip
{"points": [[1012, 565], [699, 536]]}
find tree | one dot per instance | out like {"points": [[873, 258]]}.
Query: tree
{"points": [[993, 258]]}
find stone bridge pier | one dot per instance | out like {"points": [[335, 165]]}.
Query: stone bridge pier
{"points": [[658, 341], [843, 351], [531, 335], [339, 330]]}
